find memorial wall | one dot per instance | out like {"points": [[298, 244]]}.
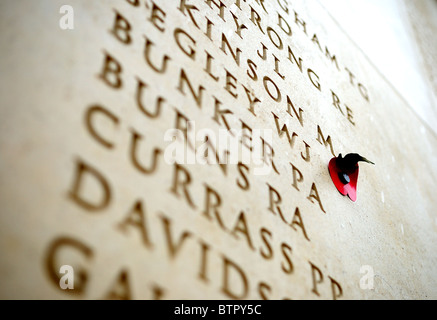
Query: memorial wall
{"points": [[180, 149]]}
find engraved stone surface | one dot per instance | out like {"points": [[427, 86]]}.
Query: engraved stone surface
{"points": [[180, 150]]}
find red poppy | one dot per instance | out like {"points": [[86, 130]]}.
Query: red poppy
{"points": [[345, 188]]}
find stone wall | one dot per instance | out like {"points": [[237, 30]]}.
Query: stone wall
{"points": [[180, 150]]}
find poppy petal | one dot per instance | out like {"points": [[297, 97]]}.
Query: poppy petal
{"points": [[349, 189]]}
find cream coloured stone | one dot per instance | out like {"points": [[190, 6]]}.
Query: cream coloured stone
{"points": [[85, 181]]}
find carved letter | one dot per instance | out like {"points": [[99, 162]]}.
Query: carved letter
{"points": [[83, 170], [52, 265], [136, 218], [228, 266]]}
